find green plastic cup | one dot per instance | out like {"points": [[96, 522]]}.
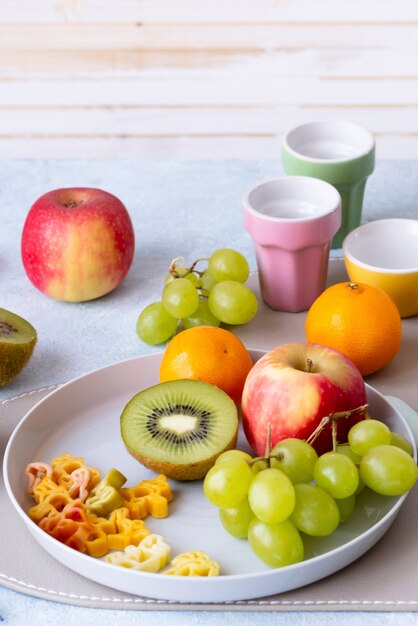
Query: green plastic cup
{"points": [[340, 153]]}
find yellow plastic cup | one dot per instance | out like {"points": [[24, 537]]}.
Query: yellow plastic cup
{"points": [[384, 253]]}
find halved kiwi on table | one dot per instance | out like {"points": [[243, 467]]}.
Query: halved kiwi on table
{"points": [[180, 427], [17, 341]]}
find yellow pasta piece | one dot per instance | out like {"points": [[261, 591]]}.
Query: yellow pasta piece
{"points": [[45, 487], [132, 532], [137, 507], [65, 464], [158, 485], [195, 563], [51, 499], [150, 555], [96, 543], [112, 524], [118, 530], [105, 524], [149, 497]]}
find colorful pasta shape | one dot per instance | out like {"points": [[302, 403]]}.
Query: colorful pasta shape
{"points": [[35, 472], [70, 526], [81, 478], [150, 555], [51, 499], [105, 497], [195, 563], [149, 497], [91, 515], [65, 464]]}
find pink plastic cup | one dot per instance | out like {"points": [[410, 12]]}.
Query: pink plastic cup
{"points": [[292, 221]]}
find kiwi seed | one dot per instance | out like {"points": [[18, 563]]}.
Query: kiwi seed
{"points": [[180, 427], [17, 341]]}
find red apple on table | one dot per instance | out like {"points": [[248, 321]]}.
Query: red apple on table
{"points": [[292, 387], [77, 244]]}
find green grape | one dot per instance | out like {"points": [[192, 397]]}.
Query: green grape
{"points": [[388, 470], [259, 465], [180, 298], [367, 434], [296, 459], [347, 451], [400, 441], [271, 496], [206, 283], [277, 545], [227, 484], [201, 317], [193, 278], [336, 474], [233, 455], [183, 272], [316, 512], [228, 264], [346, 507], [155, 325], [232, 302], [236, 520]]}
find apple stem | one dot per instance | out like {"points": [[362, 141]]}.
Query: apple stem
{"points": [[309, 365], [72, 204]]}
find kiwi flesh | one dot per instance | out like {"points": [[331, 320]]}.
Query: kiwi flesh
{"points": [[17, 341], [179, 427]]}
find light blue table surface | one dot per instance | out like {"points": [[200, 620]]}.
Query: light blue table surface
{"points": [[178, 208]]}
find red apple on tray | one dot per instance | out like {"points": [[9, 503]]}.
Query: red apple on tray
{"points": [[77, 244], [294, 386]]}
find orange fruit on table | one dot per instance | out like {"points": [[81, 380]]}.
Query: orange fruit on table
{"points": [[213, 355], [359, 320]]}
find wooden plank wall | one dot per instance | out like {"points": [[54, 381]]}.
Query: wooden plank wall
{"points": [[202, 78]]}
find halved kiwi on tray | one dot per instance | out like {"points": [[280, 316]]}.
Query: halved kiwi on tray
{"points": [[17, 341], [180, 427]]}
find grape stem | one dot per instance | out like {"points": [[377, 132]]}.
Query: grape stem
{"points": [[334, 428], [333, 417], [267, 454], [268, 442], [173, 267]]}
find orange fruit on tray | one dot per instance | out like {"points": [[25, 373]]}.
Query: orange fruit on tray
{"points": [[213, 355], [360, 320]]}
